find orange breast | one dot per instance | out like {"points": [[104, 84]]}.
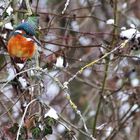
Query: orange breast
{"points": [[20, 46]]}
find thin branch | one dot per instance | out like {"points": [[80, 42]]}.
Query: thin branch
{"points": [[97, 60], [74, 127], [68, 46], [16, 76], [115, 130], [28, 7], [66, 5], [22, 120], [8, 112], [101, 96]]}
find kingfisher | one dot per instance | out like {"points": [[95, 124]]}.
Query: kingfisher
{"points": [[22, 44]]}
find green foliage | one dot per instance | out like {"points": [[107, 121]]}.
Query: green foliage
{"points": [[23, 130], [49, 121], [36, 132], [47, 130], [14, 128], [5, 14]]}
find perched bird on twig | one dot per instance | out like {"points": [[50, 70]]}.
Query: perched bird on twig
{"points": [[21, 44]]}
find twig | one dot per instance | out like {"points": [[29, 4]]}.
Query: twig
{"points": [[67, 128], [28, 7], [22, 120], [16, 76], [8, 111], [97, 60], [6, 20], [67, 122], [106, 71], [73, 126], [70, 46], [6, 7], [72, 104], [115, 130], [66, 5], [101, 96]]}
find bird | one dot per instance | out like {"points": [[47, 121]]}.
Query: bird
{"points": [[21, 43]]}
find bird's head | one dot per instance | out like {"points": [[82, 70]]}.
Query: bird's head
{"points": [[30, 26], [29, 29]]}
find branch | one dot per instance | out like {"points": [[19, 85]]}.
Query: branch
{"points": [[66, 5], [22, 120]]}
